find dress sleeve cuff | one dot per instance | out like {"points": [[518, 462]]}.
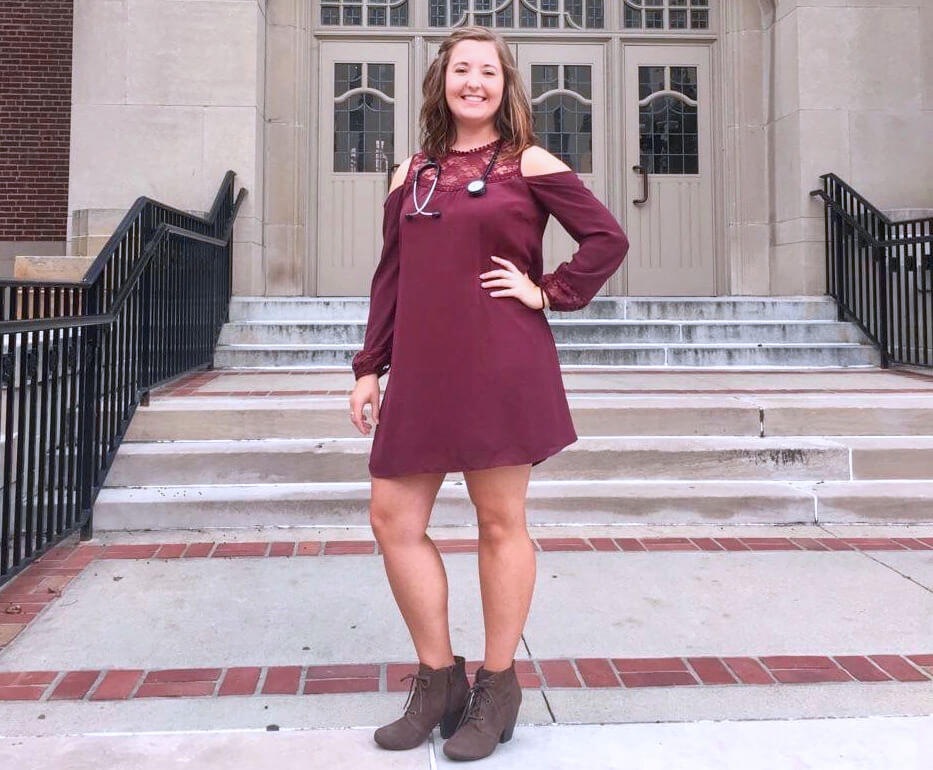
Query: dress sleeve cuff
{"points": [[366, 362], [559, 293]]}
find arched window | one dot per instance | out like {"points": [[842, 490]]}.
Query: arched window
{"points": [[666, 14], [667, 101], [561, 99], [363, 116], [364, 13], [519, 14]]}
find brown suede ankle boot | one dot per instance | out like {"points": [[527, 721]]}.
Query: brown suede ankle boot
{"points": [[489, 716], [436, 695]]}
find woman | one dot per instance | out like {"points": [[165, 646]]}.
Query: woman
{"points": [[457, 304]]}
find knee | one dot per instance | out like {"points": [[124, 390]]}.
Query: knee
{"points": [[391, 528], [500, 526]]}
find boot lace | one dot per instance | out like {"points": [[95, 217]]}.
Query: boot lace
{"points": [[478, 697], [419, 683]]}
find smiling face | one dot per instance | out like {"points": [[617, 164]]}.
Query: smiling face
{"points": [[474, 83]]}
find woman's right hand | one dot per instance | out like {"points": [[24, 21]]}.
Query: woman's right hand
{"points": [[366, 391]]}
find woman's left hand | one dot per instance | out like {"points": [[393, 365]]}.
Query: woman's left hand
{"points": [[514, 282]]}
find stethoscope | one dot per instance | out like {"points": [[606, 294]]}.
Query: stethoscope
{"points": [[475, 188]]}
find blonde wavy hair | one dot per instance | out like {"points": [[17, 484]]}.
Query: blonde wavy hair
{"points": [[513, 118]]}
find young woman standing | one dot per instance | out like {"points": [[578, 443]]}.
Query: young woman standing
{"points": [[456, 307]]}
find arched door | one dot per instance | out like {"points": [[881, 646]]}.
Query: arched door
{"points": [[614, 86]]}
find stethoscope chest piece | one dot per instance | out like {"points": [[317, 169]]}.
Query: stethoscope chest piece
{"points": [[477, 187]]}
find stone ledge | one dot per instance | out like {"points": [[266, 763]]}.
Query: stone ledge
{"points": [[42, 268]]}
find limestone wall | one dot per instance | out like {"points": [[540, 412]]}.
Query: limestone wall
{"points": [[167, 96], [852, 94]]}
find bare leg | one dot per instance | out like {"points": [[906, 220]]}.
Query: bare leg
{"points": [[399, 515], [506, 558]]}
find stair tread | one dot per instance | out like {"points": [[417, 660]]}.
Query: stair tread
{"points": [[575, 321], [594, 487], [573, 345], [640, 443]]}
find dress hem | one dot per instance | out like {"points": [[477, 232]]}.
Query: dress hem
{"points": [[540, 456]]}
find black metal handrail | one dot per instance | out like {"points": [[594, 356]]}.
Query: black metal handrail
{"points": [[880, 272], [78, 357]]}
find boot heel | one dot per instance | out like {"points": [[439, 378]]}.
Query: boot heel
{"points": [[507, 732], [449, 723]]}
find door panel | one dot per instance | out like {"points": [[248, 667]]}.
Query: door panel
{"points": [[363, 131], [566, 84], [669, 220]]}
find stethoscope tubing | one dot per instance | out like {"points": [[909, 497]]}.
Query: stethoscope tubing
{"points": [[422, 208], [431, 163]]}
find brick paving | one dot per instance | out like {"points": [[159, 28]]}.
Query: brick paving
{"points": [[575, 673]]}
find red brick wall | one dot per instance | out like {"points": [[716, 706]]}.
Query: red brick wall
{"points": [[35, 118]]}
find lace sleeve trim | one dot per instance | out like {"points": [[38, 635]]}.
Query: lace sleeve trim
{"points": [[560, 294], [371, 362]]}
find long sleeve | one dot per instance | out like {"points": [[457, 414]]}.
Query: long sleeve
{"points": [[603, 244], [377, 343]]}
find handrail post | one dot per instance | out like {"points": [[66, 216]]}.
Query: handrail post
{"points": [[145, 336], [87, 458], [881, 263], [839, 255]]}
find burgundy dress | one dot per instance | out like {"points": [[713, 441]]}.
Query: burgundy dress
{"points": [[476, 381]]}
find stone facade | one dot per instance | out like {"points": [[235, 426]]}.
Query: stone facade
{"points": [[168, 95]]}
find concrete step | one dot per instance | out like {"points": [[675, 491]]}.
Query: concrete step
{"points": [[299, 417], [645, 308], [579, 331], [889, 501], [771, 355], [891, 457], [549, 503], [230, 418], [336, 459]]}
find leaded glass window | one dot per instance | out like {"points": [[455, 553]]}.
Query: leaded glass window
{"points": [[520, 14], [562, 106], [667, 99], [364, 13], [364, 116], [666, 14]]}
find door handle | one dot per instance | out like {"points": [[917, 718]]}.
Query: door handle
{"points": [[644, 193], [390, 172]]}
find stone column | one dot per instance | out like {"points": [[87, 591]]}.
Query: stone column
{"points": [[745, 78], [288, 88]]}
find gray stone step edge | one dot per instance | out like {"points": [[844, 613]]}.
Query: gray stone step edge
{"points": [[734, 458], [765, 356], [798, 307], [233, 418], [549, 503]]}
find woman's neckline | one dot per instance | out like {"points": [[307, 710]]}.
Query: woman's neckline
{"points": [[474, 149]]}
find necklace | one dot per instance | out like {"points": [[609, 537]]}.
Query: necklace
{"points": [[475, 149]]}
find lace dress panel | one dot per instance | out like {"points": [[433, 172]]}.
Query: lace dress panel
{"points": [[460, 167]]}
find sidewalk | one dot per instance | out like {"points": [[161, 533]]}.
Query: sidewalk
{"points": [[840, 744], [743, 642]]}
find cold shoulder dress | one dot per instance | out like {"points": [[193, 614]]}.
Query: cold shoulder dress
{"points": [[475, 379]]}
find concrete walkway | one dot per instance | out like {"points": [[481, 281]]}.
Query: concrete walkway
{"points": [[838, 744], [645, 647]]}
